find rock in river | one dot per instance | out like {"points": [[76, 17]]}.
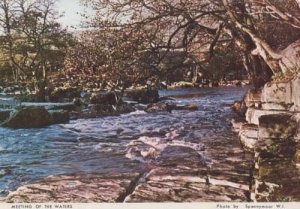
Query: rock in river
{"points": [[60, 117], [143, 95], [29, 117], [4, 115], [35, 117]]}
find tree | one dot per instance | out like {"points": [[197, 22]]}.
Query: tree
{"points": [[204, 27], [33, 41]]}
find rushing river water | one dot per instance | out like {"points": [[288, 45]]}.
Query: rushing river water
{"points": [[101, 145]]}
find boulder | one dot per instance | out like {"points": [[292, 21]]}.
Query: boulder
{"points": [[144, 96], [29, 117], [58, 117], [4, 115]]}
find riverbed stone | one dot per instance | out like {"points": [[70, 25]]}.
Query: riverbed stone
{"points": [[29, 117], [79, 188]]}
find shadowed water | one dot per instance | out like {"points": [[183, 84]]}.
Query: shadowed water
{"points": [[99, 145]]}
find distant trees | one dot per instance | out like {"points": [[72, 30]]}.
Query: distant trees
{"points": [[265, 34], [110, 57], [32, 41]]}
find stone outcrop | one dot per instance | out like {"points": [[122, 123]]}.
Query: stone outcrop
{"points": [[273, 134]]}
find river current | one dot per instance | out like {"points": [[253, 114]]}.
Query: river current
{"points": [[100, 145]]}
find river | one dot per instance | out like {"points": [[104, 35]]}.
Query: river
{"points": [[183, 145]]}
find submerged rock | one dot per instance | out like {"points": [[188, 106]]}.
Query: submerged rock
{"points": [[29, 117]]}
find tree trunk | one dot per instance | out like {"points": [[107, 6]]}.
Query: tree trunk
{"points": [[279, 62]]}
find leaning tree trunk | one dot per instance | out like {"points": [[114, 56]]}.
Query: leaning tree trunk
{"points": [[279, 62]]}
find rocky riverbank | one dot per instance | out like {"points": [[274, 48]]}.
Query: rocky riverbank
{"points": [[271, 130]]}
